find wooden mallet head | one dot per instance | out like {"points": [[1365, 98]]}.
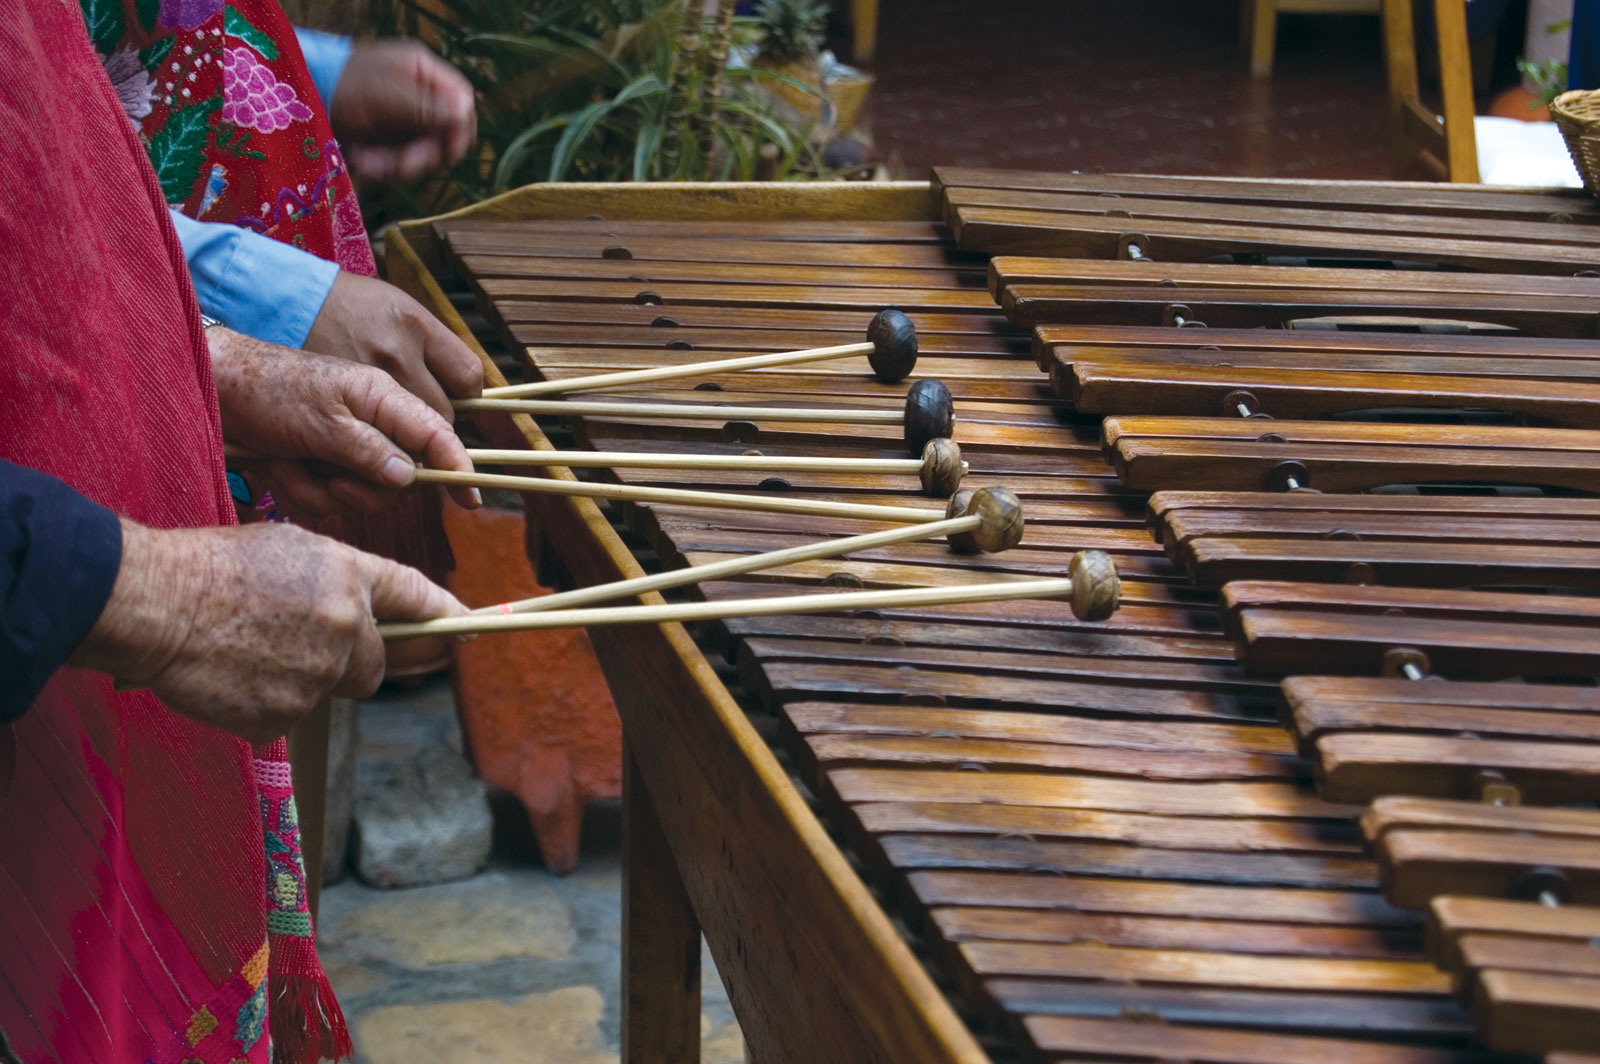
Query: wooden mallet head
{"points": [[930, 414], [1001, 520], [894, 346], [1096, 588], [941, 467]]}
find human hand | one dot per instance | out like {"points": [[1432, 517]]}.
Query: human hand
{"points": [[248, 628], [356, 423], [399, 110], [372, 322]]}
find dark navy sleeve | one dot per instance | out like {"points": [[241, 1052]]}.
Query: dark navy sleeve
{"points": [[59, 556]]}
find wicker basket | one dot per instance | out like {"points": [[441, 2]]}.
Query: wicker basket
{"points": [[1577, 115], [849, 95]]}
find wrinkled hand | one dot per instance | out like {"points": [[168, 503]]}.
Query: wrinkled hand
{"points": [[354, 421], [372, 322], [247, 629], [400, 110]]}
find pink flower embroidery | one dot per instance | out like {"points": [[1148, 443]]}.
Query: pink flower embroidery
{"points": [[351, 248], [253, 97]]}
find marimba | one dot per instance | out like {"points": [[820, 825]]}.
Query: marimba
{"points": [[1357, 567]]}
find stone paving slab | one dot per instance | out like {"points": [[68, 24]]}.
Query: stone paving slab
{"points": [[512, 966]]}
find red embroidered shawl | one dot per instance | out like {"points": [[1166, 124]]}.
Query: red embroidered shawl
{"points": [[149, 861]]}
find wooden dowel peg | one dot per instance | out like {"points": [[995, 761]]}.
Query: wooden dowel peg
{"points": [[972, 517], [928, 413], [940, 468], [1091, 585], [722, 500], [890, 347]]}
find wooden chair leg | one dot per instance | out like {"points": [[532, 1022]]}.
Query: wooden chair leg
{"points": [[308, 766], [660, 938], [863, 29], [1263, 37], [1455, 86]]}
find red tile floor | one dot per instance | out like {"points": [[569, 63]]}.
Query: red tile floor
{"points": [[1130, 85]]}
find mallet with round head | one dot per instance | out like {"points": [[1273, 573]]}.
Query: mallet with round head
{"points": [[890, 347]]}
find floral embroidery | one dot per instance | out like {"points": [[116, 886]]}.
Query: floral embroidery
{"points": [[186, 14], [254, 97], [351, 250], [135, 87]]}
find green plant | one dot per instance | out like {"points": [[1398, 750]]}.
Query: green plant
{"points": [[1550, 76], [791, 29], [597, 90]]}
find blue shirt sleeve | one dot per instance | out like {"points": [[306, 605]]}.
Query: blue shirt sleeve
{"points": [[59, 556], [252, 283], [326, 54]]}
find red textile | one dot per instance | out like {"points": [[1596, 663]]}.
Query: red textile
{"points": [[134, 914], [232, 120]]}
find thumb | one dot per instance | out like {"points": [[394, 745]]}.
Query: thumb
{"points": [[401, 593]]}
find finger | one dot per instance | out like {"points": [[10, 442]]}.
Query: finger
{"points": [[371, 161], [412, 424], [401, 593], [452, 363], [364, 671], [297, 490], [361, 496], [368, 450], [418, 157]]}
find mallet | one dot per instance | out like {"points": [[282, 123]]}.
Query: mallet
{"points": [[928, 414], [1091, 585], [890, 347], [989, 519], [940, 468]]}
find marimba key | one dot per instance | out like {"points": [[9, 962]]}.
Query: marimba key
{"points": [[1096, 388], [1453, 917], [1154, 209], [1315, 706], [1429, 198], [1027, 305], [1418, 865], [1441, 603], [1357, 767], [1213, 561], [1157, 463], [1008, 231], [1286, 643], [1008, 270], [1536, 1012], [1420, 814], [1061, 1038], [1049, 341], [1367, 368], [1426, 849]]}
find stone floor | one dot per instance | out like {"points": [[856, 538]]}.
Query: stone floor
{"points": [[512, 965], [1142, 86]]}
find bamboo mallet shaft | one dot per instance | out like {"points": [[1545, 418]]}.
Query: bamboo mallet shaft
{"points": [[687, 411], [666, 373], [647, 460], [747, 563], [723, 500], [1060, 587]]}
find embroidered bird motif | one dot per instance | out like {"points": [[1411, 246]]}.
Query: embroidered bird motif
{"points": [[215, 183]]}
